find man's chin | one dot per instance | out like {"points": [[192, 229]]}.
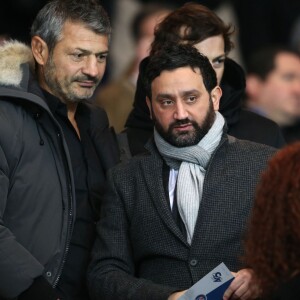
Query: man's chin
{"points": [[182, 135], [77, 99], [183, 140], [81, 97]]}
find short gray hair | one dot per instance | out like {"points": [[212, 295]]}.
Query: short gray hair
{"points": [[51, 18]]}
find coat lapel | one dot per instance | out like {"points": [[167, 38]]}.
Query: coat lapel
{"points": [[153, 171]]}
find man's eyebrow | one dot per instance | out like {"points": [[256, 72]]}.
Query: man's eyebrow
{"points": [[102, 52], [164, 95], [182, 94], [189, 92], [84, 51]]}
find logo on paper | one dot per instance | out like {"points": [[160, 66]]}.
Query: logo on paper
{"points": [[217, 277]]}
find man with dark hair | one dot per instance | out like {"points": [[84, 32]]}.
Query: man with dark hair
{"points": [[198, 26], [55, 149], [176, 212], [273, 88]]}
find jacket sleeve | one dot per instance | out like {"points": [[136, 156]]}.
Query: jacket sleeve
{"points": [[18, 268], [111, 273]]}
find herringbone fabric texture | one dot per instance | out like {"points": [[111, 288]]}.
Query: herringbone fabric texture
{"points": [[140, 252]]}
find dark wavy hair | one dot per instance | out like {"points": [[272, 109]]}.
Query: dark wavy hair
{"points": [[191, 23], [174, 56], [272, 247]]}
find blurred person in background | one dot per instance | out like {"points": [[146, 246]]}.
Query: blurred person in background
{"points": [[272, 247], [273, 23], [117, 96], [196, 25], [273, 88]]}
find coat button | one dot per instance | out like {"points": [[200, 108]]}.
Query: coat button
{"points": [[49, 274], [193, 262]]}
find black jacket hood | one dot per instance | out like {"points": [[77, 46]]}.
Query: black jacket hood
{"points": [[233, 86]]}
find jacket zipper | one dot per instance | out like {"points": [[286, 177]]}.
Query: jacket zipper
{"points": [[69, 228]]}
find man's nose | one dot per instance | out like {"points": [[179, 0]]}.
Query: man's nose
{"points": [[180, 111], [91, 67]]}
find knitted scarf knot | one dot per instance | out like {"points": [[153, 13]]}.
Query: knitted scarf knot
{"points": [[192, 162]]}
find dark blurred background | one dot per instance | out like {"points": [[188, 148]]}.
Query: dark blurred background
{"points": [[259, 23]]}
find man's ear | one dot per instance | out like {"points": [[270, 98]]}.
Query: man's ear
{"points": [[39, 50], [216, 95], [149, 106]]}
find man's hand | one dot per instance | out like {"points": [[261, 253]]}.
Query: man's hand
{"points": [[243, 286], [176, 295]]}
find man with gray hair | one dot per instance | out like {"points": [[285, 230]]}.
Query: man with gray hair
{"points": [[55, 149]]}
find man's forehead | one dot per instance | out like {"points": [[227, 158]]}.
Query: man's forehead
{"points": [[183, 77], [80, 31], [77, 36]]}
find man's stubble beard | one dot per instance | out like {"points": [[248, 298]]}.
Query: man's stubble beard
{"points": [[56, 87], [187, 138]]}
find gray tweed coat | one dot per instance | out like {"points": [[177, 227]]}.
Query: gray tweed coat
{"points": [[140, 253]]}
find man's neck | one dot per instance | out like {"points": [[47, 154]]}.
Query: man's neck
{"points": [[277, 116], [71, 107]]}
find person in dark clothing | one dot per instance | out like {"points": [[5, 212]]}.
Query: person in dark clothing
{"points": [[173, 214], [198, 26], [55, 149]]}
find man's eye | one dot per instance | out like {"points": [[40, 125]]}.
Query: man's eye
{"points": [[218, 63], [77, 56], [191, 99], [102, 57], [166, 102]]}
